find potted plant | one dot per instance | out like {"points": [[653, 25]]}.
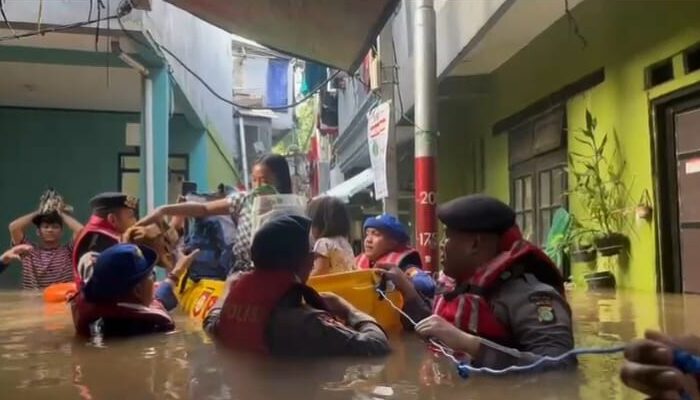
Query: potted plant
{"points": [[598, 184]]}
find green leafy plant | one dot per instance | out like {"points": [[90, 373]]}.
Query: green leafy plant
{"points": [[598, 185]]}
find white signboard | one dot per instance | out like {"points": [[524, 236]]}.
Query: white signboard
{"points": [[378, 120]]}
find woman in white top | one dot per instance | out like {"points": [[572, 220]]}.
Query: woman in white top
{"points": [[330, 230]]}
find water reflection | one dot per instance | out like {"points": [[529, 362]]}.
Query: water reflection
{"points": [[40, 358]]}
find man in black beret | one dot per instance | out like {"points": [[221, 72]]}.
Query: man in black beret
{"points": [[271, 310], [112, 214], [507, 290]]}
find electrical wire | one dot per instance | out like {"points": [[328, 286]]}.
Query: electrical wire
{"points": [[57, 28], [5, 19], [211, 90]]}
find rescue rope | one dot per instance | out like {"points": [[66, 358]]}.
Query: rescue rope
{"points": [[464, 369], [686, 362]]}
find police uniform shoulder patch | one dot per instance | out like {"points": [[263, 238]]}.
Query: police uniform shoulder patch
{"points": [[545, 314], [544, 309]]}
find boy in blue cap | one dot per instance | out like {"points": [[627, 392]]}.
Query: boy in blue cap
{"points": [[386, 246], [120, 298]]}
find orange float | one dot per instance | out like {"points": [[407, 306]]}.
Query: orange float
{"points": [[59, 292]]}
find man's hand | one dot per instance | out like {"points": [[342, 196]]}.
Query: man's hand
{"points": [[15, 253], [183, 263], [399, 279], [337, 305], [436, 327], [649, 369]]}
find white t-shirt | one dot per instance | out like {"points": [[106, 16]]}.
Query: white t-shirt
{"points": [[339, 253]]}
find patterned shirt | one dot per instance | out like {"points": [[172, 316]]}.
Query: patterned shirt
{"points": [[44, 267], [338, 252], [240, 208]]}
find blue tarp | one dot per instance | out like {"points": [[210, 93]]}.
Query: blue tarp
{"points": [[277, 82]]}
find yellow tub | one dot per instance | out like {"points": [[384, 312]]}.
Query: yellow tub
{"points": [[357, 287]]}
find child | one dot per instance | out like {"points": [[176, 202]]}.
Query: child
{"points": [[330, 230], [386, 245]]}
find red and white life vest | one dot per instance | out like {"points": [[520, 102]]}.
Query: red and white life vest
{"points": [[399, 257], [95, 225], [147, 319], [468, 306], [250, 303]]}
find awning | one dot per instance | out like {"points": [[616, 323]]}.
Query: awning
{"points": [[337, 33], [352, 186]]}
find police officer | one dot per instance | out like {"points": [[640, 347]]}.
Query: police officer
{"points": [[271, 310], [507, 290], [112, 214]]}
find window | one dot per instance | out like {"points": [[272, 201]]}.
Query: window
{"points": [[691, 58], [659, 73], [130, 170], [538, 173]]}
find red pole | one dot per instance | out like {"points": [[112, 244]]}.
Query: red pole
{"points": [[425, 78]]}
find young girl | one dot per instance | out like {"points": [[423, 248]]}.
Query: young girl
{"points": [[330, 230]]}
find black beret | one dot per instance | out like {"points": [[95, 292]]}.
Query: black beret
{"points": [[477, 213], [113, 200], [281, 239]]}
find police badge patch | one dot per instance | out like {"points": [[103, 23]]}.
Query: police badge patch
{"points": [[545, 314]]}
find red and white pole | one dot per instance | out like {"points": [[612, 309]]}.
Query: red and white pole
{"points": [[425, 79]]}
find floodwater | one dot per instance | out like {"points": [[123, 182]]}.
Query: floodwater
{"points": [[40, 359]]}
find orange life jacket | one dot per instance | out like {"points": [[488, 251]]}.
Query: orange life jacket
{"points": [[398, 257], [468, 306]]}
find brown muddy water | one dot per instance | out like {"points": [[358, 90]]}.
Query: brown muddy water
{"points": [[41, 359]]}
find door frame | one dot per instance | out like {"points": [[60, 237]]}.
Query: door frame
{"points": [[664, 171]]}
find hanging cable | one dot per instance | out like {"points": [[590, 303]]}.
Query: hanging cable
{"points": [[211, 90], [5, 19], [54, 29], [100, 6]]}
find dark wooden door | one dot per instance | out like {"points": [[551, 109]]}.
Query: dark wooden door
{"points": [[687, 136]]}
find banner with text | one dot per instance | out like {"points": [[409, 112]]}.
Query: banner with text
{"points": [[378, 120]]}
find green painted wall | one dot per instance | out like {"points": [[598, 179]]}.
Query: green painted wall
{"points": [[221, 169], [74, 151], [623, 37]]}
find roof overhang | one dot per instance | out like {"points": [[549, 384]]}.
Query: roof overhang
{"points": [[337, 33]]}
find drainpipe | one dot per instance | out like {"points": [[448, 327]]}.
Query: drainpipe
{"points": [[148, 151], [244, 150], [425, 80]]}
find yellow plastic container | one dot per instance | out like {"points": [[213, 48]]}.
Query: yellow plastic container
{"points": [[359, 288], [198, 298]]}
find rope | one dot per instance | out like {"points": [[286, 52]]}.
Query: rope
{"points": [[464, 369]]}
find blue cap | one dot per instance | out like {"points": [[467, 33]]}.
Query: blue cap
{"points": [[118, 270], [389, 224]]}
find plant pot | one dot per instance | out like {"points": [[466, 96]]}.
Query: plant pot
{"points": [[600, 280], [611, 245], [584, 255]]}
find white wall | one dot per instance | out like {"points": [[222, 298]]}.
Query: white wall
{"points": [[457, 24], [207, 51]]}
